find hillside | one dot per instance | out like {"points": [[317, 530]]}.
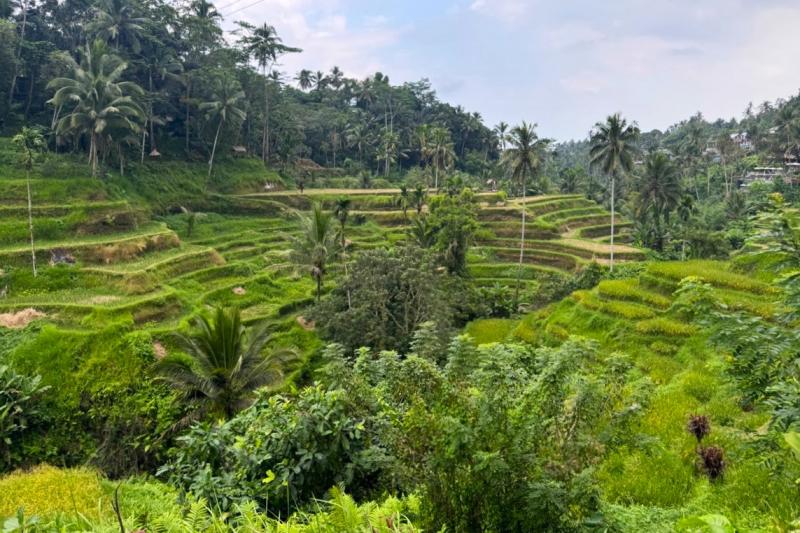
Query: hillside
{"points": [[135, 269]]}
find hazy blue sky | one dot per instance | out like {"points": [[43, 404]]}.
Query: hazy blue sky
{"points": [[563, 64]]}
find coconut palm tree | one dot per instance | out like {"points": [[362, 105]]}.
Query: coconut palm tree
{"points": [[316, 244], [442, 152], [225, 105], [613, 149], [319, 80], [501, 130], [29, 142], [403, 200], [97, 101], [162, 65], [357, 136], [336, 77], [418, 198], [341, 210], [522, 159], [659, 191], [421, 232], [222, 364], [303, 79], [117, 21], [263, 44]]}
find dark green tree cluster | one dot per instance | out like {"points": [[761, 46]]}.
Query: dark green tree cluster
{"points": [[127, 79]]}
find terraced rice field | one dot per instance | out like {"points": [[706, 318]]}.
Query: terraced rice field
{"points": [[125, 264]]}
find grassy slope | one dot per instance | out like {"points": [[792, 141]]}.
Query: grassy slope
{"points": [[652, 478]]}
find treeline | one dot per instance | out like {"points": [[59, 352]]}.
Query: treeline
{"points": [[188, 91]]}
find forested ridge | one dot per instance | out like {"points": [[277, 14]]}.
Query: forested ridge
{"points": [[235, 298]]}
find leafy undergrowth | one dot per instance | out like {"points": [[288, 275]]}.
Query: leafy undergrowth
{"points": [[650, 478]]}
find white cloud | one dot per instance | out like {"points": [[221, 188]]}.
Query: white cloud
{"points": [[506, 10], [326, 35]]}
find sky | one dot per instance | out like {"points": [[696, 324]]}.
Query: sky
{"points": [[563, 64]]}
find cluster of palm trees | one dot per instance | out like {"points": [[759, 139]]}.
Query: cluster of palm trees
{"points": [[436, 149]]}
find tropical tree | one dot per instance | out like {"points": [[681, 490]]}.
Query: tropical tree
{"points": [[341, 210], [162, 65], [29, 142], [117, 21], [222, 364], [303, 79], [97, 101], [316, 244], [357, 136], [422, 232], [501, 130], [613, 149], [390, 150], [659, 192], [225, 105], [419, 196], [263, 44], [442, 152], [403, 200], [319, 80], [522, 159]]}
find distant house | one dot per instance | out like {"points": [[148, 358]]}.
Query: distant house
{"points": [[761, 175], [239, 150], [742, 140]]}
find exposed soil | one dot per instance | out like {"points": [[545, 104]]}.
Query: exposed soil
{"points": [[20, 319]]}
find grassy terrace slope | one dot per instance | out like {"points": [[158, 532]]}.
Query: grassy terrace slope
{"points": [[634, 320], [131, 265], [555, 243]]}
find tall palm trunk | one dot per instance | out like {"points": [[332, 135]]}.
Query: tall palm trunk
{"points": [[214, 149], [144, 133], [30, 220], [521, 246], [93, 153], [613, 215], [265, 136], [19, 54], [188, 95]]}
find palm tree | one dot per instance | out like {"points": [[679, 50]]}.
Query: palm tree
{"points": [[319, 80], [502, 134], [336, 78], [390, 150], [341, 210], [101, 103], [659, 191], [29, 142], [442, 152], [223, 364], [303, 79], [225, 105], [263, 44], [115, 21], [357, 136], [422, 232], [403, 200], [161, 65], [522, 159], [316, 243], [613, 149], [418, 198]]}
